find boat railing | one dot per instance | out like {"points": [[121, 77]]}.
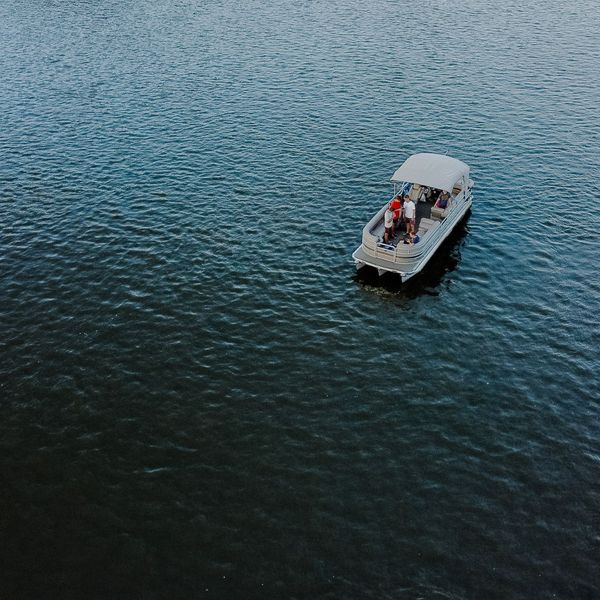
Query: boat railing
{"points": [[385, 246], [399, 251]]}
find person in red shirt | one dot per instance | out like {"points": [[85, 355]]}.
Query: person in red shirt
{"points": [[396, 207]]}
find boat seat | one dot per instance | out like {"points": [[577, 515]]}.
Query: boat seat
{"points": [[425, 225], [378, 230], [439, 213]]}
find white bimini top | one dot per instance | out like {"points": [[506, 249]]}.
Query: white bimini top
{"points": [[432, 170]]}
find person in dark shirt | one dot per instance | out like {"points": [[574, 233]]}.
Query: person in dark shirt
{"points": [[442, 201]]}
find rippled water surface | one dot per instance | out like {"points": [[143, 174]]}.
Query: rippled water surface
{"points": [[199, 398]]}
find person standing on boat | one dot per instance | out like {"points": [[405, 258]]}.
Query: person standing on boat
{"points": [[388, 219], [409, 215], [396, 206]]}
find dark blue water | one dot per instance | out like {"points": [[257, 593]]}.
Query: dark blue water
{"points": [[199, 398]]}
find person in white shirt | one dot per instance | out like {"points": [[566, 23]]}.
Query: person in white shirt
{"points": [[409, 215], [388, 221]]}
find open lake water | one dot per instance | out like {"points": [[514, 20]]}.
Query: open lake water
{"points": [[198, 396]]}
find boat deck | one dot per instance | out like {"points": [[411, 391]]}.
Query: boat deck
{"points": [[423, 211]]}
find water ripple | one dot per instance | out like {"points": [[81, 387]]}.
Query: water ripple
{"points": [[199, 396]]}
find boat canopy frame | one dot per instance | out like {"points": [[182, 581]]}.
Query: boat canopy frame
{"points": [[432, 170]]}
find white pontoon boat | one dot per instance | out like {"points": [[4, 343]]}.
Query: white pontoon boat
{"points": [[423, 177]]}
